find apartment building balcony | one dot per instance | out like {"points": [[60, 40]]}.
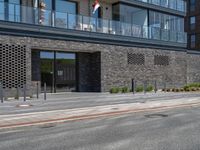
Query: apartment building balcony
{"points": [[23, 17]]}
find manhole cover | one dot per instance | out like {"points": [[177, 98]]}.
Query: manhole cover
{"points": [[24, 105], [46, 126], [156, 115], [115, 108]]}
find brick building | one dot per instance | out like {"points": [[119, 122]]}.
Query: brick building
{"points": [[192, 24], [65, 45]]}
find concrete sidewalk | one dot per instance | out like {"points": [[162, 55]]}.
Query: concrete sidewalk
{"points": [[63, 101], [56, 116]]}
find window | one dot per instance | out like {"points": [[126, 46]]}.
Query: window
{"points": [[192, 41], [164, 3], [156, 2], [181, 5], [192, 4], [10, 10], [14, 10], [197, 43], [2, 15], [130, 14], [66, 6], [172, 4], [62, 8], [48, 4], [165, 21], [192, 23]]}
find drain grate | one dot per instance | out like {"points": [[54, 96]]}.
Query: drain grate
{"points": [[115, 108], [46, 126], [156, 115]]}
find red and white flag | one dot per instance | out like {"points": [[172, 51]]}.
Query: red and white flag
{"points": [[95, 6]]}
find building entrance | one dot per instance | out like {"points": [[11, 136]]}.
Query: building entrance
{"points": [[58, 71]]}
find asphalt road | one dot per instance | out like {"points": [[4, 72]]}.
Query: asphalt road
{"points": [[177, 129], [80, 100]]}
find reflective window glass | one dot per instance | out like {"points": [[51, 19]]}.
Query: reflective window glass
{"points": [[66, 14], [14, 10], [2, 14], [192, 22], [192, 4], [48, 4], [66, 6], [192, 41]]}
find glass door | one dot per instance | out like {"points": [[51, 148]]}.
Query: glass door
{"points": [[65, 72], [47, 70], [58, 71]]}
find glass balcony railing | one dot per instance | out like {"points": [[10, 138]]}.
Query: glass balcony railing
{"points": [[179, 5], [35, 16]]}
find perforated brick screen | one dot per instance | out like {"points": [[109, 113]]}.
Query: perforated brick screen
{"points": [[136, 59], [161, 60], [12, 65]]}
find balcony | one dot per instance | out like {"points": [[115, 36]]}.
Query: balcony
{"points": [[72, 22]]}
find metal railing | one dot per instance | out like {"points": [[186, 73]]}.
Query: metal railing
{"points": [[31, 15]]}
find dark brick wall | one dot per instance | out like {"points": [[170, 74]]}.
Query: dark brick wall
{"points": [[88, 72], [104, 66], [35, 66], [196, 31]]}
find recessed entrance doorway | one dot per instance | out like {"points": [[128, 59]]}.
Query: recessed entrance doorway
{"points": [[58, 71]]}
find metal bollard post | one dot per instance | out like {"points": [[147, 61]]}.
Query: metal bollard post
{"points": [[155, 86], [1, 92], [17, 93], [37, 90], [165, 86], [45, 91], [133, 86], [24, 92], [144, 86]]}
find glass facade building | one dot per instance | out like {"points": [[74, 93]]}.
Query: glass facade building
{"points": [[125, 19], [192, 24]]}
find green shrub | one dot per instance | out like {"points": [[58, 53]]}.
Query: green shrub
{"points": [[124, 90], [186, 88], [139, 89], [194, 85], [168, 90], [115, 90], [149, 88]]}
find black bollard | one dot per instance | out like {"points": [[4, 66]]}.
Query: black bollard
{"points": [[45, 91]]}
